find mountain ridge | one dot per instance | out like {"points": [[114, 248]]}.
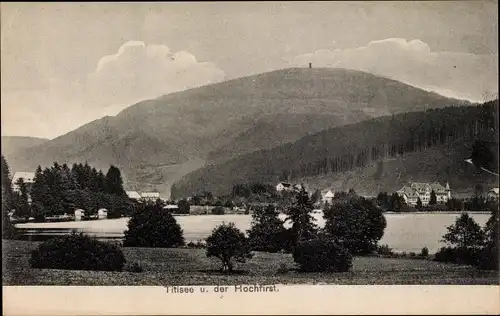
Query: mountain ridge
{"points": [[224, 120]]}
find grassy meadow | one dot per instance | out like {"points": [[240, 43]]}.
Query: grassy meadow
{"points": [[191, 267]]}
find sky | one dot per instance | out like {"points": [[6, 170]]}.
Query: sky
{"points": [[66, 64]]}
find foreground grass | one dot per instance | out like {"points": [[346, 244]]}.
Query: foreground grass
{"points": [[192, 267]]}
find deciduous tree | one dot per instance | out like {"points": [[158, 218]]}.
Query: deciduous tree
{"points": [[228, 243]]}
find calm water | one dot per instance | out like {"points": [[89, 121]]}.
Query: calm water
{"points": [[404, 232]]}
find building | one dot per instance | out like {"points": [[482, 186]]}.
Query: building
{"points": [[327, 196], [283, 186], [171, 208], [133, 195], [493, 194], [28, 178], [422, 191], [150, 196]]}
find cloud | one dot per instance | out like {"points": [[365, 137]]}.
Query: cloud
{"points": [[141, 71], [459, 75], [137, 71]]}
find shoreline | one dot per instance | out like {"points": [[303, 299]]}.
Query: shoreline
{"points": [[317, 212]]}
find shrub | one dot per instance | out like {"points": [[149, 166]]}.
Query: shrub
{"points": [[488, 256], [77, 252], [319, 255], [226, 243], [488, 259], [384, 250], [424, 252], [355, 223], [153, 227], [135, 267], [457, 255], [218, 210], [184, 207], [200, 244], [9, 231], [267, 232], [282, 269]]}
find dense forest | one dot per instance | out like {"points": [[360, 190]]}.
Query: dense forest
{"points": [[399, 135], [357, 145], [61, 190]]}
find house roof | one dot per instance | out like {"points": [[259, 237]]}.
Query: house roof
{"points": [[150, 194], [133, 195], [171, 206], [329, 194], [437, 187], [28, 177], [408, 191], [494, 190], [284, 184], [420, 186]]}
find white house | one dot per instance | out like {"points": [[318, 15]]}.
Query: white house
{"points": [[79, 214], [102, 213], [133, 195], [150, 196], [284, 186], [493, 194], [327, 196], [28, 178], [422, 191]]}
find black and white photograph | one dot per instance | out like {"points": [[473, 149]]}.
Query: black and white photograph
{"points": [[249, 146]]}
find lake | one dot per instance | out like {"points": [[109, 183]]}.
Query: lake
{"points": [[404, 232]]}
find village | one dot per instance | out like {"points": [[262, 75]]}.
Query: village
{"points": [[414, 195]]}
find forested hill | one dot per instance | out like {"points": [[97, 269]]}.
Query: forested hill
{"points": [[155, 142], [350, 147]]}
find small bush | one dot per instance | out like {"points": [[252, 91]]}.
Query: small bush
{"points": [[113, 215], [319, 255], [200, 245], [424, 252], [445, 254], [9, 231], [135, 267], [282, 269], [196, 245], [488, 259], [457, 255], [153, 227], [218, 210], [77, 252], [412, 254], [384, 250]]}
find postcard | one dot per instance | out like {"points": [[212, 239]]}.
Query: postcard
{"points": [[250, 158]]}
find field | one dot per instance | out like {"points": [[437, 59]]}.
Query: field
{"points": [[191, 267]]}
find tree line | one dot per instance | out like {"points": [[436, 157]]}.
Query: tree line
{"points": [[406, 133], [345, 147], [59, 190]]}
